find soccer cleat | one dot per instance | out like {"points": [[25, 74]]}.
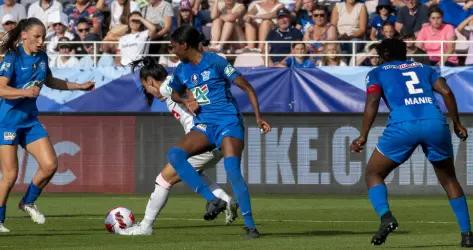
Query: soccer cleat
{"points": [[252, 233], [3, 229], [137, 229], [214, 208], [231, 212], [467, 239], [33, 211], [388, 225]]}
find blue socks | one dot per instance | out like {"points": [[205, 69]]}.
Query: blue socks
{"points": [[240, 189], [178, 159], [32, 194], [378, 196], [2, 213], [460, 208]]}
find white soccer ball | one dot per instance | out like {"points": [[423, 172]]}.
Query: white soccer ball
{"points": [[119, 218]]}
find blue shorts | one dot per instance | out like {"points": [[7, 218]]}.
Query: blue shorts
{"points": [[22, 136], [400, 139], [216, 132]]}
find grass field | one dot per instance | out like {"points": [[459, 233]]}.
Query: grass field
{"points": [[287, 222]]}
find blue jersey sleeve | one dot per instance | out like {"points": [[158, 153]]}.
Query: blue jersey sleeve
{"points": [[226, 70], [371, 79], [288, 61], [175, 83], [7, 68]]}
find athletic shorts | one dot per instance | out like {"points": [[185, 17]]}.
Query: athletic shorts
{"points": [[22, 136], [400, 139], [216, 132], [205, 160]]}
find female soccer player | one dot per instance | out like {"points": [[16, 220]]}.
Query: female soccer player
{"points": [[155, 82], [202, 82], [415, 119], [23, 72]]}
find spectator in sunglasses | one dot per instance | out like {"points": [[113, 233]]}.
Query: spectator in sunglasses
{"points": [[321, 31]]}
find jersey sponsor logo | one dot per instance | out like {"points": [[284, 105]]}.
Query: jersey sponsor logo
{"points": [[403, 66], [200, 93], [31, 84], [229, 70], [9, 136], [5, 66], [205, 75], [195, 79], [176, 114], [202, 127]]}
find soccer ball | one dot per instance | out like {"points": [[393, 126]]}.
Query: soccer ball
{"points": [[119, 218]]}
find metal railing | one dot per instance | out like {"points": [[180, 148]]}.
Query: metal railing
{"points": [[265, 55]]}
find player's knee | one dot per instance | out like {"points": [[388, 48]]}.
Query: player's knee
{"points": [[9, 177], [177, 155], [49, 167]]}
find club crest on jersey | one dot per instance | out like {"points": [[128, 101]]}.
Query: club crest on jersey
{"points": [[205, 75], [9, 136], [195, 79], [229, 70]]}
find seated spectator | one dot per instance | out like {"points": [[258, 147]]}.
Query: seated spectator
{"points": [[120, 9], [81, 31], [133, 45], [369, 58], [91, 50], [169, 61], [332, 50], [411, 17], [85, 9], [413, 52], [44, 9], [58, 21], [160, 13], [259, 20], [16, 10], [350, 18], [297, 61], [8, 23], [384, 14], [304, 15], [388, 31], [65, 58], [436, 30], [321, 31], [466, 28], [283, 32], [186, 16], [227, 16]]}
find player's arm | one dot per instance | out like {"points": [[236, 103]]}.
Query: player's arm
{"points": [[243, 84], [7, 92], [440, 86], [373, 96], [56, 83], [184, 95]]}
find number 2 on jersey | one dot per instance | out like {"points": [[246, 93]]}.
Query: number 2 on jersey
{"points": [[412, 82]]}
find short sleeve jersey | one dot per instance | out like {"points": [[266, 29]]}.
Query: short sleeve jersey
{"points": [[407, 90], [24, 71], [210, 81]]}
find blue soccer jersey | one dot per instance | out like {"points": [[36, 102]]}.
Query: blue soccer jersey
{"points": [[210, 81], [407, 90], [23, 71]]}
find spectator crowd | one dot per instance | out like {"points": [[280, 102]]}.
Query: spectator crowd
{"points": [[315, 32]]}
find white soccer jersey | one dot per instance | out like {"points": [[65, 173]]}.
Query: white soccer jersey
{"points": [[179, 111]]}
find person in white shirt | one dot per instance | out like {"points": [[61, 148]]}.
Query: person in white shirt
{"points": [[133, 44], [65, 58], [8, 22], [58, 21], [44, 9], [15, 9], [121, 9], [170, 61]]}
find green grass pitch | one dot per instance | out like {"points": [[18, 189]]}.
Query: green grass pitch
{"points": [[75, 221]]}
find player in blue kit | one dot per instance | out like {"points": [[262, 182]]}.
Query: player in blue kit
{"points": [[23, 72], [202, 82], [415, 119]]}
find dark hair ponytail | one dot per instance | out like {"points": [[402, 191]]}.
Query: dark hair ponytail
{"points": [[12, 38], [149, 66]]}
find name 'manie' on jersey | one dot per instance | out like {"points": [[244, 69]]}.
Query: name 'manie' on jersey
{"points": [[209, 81], [407, 90]]}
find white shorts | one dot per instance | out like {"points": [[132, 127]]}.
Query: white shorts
{"points": [[205, 160]]}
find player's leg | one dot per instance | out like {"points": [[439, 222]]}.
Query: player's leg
{"points": [[9, 169]]}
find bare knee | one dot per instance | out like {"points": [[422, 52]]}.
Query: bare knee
{"points": [[49, 167], [9, 177]]}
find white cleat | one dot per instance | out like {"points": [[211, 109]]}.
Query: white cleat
{"points": [[137, 229], [33, 211], [231, 212], [3, 229]]}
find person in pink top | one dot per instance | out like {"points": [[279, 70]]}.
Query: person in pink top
{"points": [[436, 30]]}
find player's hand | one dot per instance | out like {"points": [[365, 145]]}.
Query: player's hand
{"points": [[191, 105], [460, 131], [358, 144], [87, 86], [31, 92], [263, 126]]}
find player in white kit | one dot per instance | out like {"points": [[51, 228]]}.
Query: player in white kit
{"points": [[155, 82]]}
